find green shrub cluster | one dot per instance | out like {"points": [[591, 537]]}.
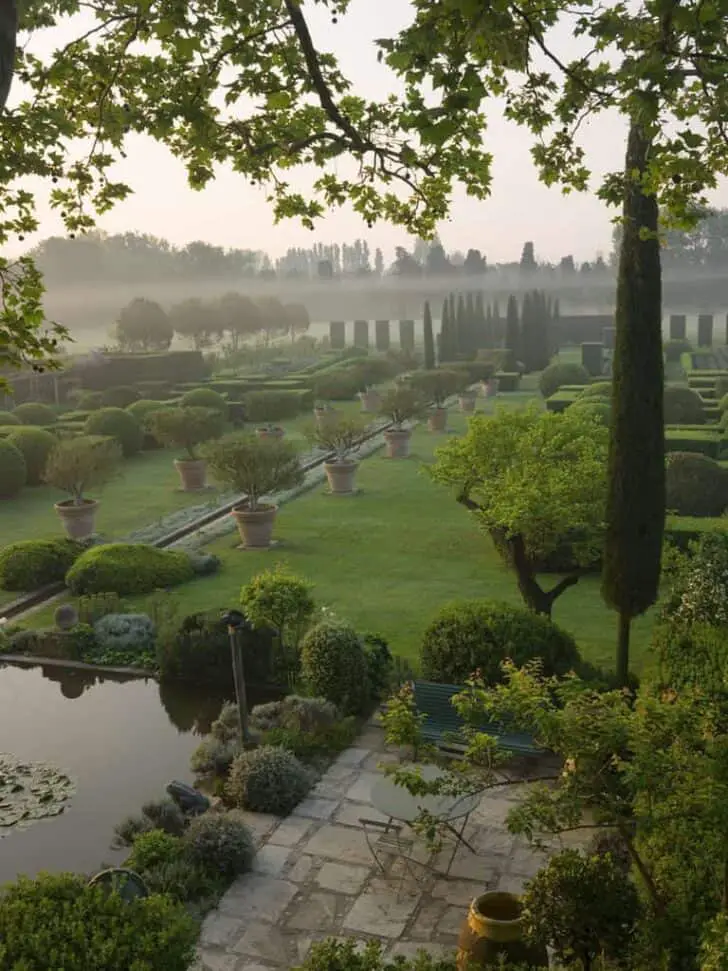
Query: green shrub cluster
{"points": [[36, 444], [597, 389], [7, 418], [340, 385], [265, 406], [13, 471], [118, 424], [204, 398], [695, 485], [143, 407], [34, 413], [32, 563], [59, 921], [128, 569], [268, 779], [88, 400], [162, 814], [334, 666], [470, 635], [558, 374], [598, 408], [682, 406]]}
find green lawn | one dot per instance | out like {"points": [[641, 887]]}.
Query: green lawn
{"points": [[387, 558]]}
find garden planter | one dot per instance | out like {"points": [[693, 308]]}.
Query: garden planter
{"points": [[255, 525], [492, 932], [398, 442], [276, 432], [490, 388], [370, 401], [341, 477], [192, 474], [78, 519], [467, 403], [437, 421]]}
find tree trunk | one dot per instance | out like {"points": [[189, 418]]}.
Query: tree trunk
{"points": [[636, 480], [625, 625], [537, 599], [8, 36]]}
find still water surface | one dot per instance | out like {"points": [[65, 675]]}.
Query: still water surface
{"points": [[121, 740]]}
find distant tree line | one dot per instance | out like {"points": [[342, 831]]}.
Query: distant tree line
{"points": [[144, 325]]}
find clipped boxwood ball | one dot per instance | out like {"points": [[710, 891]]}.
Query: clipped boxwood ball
{"points": [[334, 666], [128, 569], [599, 389], [34, 413], [36, 445], [32, 563], [695, 485], [204, 398], [682, 406], [118, 424], [119, 397], [8, 418], [594, 407], [13, 472], [558, 374]]}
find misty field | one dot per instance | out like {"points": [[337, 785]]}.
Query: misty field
{"points": [[389, 557]]}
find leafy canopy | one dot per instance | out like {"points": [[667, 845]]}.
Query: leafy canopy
{"points": [[538, 475]]}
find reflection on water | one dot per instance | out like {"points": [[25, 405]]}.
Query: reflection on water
{"points": [[122, 739]]}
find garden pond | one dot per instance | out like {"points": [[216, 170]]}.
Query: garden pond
{"points": [[116, 740]]}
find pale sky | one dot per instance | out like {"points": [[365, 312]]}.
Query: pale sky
{"points": [[232, 213]]}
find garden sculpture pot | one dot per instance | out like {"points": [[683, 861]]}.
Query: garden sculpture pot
{"points": [[467, 403], [492, 932], [276, 432], [437, 422], [255, 525], [370, 401], [341, 477], [192, 474], [78, 520], [398, 442]]}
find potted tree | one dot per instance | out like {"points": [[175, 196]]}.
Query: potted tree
{"points": [[340, 436], [77, 464], [370, 400], [436, 387], [256, 467], [187, 428], [400, 404]]}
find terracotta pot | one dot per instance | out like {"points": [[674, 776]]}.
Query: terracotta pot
{"points": [[255, 526], [398, 442], [78, 520], [192, 474], [370, 401], [437, 422], [275, 432], [467, 403], [493, 931], [341, 477]]}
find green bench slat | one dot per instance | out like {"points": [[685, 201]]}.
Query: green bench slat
{"points": [[441, 719]]}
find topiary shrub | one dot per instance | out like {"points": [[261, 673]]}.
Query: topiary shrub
{"points": [[268, 779], [334, 666], [682, 406], [60, 921], [36, 444], [143, 407], [88, 400], [118, 424], [695, 485], [125, 632], [34, 413], [161, 814], [595, 408], [466, 635], [198, 651], [221, 842], [119, 397], [599, 389], [558, 374], [204, 398], [264, 406], [127, 569], [32, 563], [13, 472], [154, 847], [8, 418]]}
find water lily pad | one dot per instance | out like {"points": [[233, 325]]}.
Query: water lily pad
{"points": [[30, 791]]}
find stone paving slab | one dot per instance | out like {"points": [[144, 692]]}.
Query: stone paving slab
{"points": [[314, 876]]}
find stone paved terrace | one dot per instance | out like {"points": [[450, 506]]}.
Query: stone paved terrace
{"points": [[314, 876]]}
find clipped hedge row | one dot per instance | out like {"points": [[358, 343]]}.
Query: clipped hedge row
{"points": [[707, 443]]}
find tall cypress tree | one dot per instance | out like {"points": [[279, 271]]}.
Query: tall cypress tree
{"points": [[469, 334], [461, 328], [489, 335], [428, 338], [636, 497], [481, 329], [528, 327], [445, 344], [513, 332]]}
